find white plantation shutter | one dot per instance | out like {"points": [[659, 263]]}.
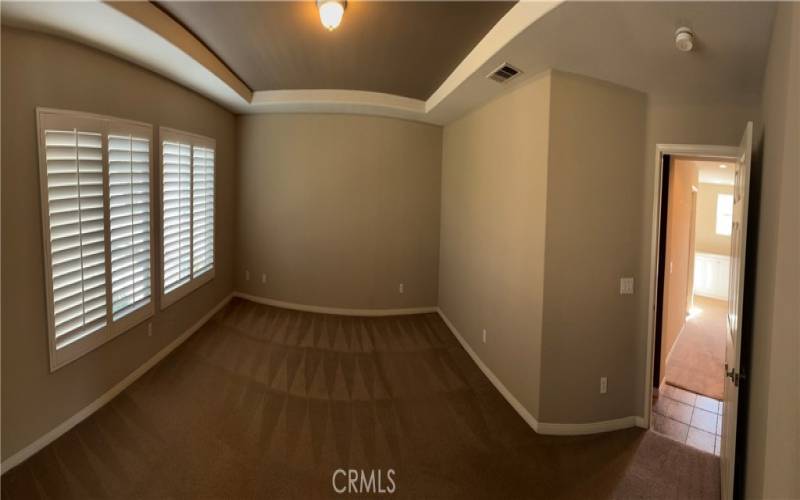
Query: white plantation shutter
{"points": [[202, 210], [74, 163], [187, 162], [177, 243], [129, 217], [96, 226]]}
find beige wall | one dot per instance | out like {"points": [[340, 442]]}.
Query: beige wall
{"points": [[593, 181], [706, 237], [491, 271], [679, 256], [536, 232], [39, 70], [338, 210], [576, 309], [773, 430]]}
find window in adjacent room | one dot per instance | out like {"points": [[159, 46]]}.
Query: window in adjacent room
{"points": [[95, 182], [187, 212], [724, 214]]}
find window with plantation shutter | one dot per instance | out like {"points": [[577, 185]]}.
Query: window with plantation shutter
{"points": [[177, 237], [202, 210], [187, 184], [129, 217], [77, 234], [96, 227]]}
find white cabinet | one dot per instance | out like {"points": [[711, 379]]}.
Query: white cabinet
{"points": [[711, 275]]}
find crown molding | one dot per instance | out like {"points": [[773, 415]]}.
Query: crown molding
{"points": [[337, 101]]}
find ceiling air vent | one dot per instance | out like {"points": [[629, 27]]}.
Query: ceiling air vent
{"points": [[504, 73]]}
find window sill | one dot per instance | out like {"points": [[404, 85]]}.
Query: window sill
{"points": [[182, 291], [69, 353]]}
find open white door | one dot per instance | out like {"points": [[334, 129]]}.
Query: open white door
{"points": [[735, 295]]}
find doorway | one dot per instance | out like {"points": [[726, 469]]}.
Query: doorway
{"points": [[694, 343], [694, 264]]}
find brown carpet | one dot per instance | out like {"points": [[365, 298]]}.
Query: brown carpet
{"points": [[697, 362], [267, 403]]}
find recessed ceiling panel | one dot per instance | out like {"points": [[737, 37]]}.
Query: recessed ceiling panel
{"points": [[402, 48]]}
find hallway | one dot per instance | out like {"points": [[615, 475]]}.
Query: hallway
{"points": [[697, 360]]}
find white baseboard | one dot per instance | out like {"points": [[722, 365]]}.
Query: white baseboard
{"points": [[23, 454], [335, 310], [587, 428], [707, 295], [542, 427]]}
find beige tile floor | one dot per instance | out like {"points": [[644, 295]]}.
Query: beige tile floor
{"points": [[689, 418]]}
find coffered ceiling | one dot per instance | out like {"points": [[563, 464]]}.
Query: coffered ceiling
{"points": [[400, 48]]}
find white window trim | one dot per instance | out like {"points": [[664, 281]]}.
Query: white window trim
{"points": [[176, 294], [112, 329]]}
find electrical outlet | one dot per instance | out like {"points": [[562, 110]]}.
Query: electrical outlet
{"points": [[149, 329], [263, 278], [484, 335], [247, 275], [401, 288], [603, 385]]}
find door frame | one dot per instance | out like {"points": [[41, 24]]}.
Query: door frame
{"points": [[673, 150]]}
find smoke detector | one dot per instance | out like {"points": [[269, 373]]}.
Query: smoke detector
{"points": [[684, 39]]}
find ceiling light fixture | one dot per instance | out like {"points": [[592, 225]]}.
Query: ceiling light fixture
{"points": [[722, 165], [331, 12]]}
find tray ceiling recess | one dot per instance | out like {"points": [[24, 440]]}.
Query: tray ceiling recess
{"points": [[422, 61]]}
